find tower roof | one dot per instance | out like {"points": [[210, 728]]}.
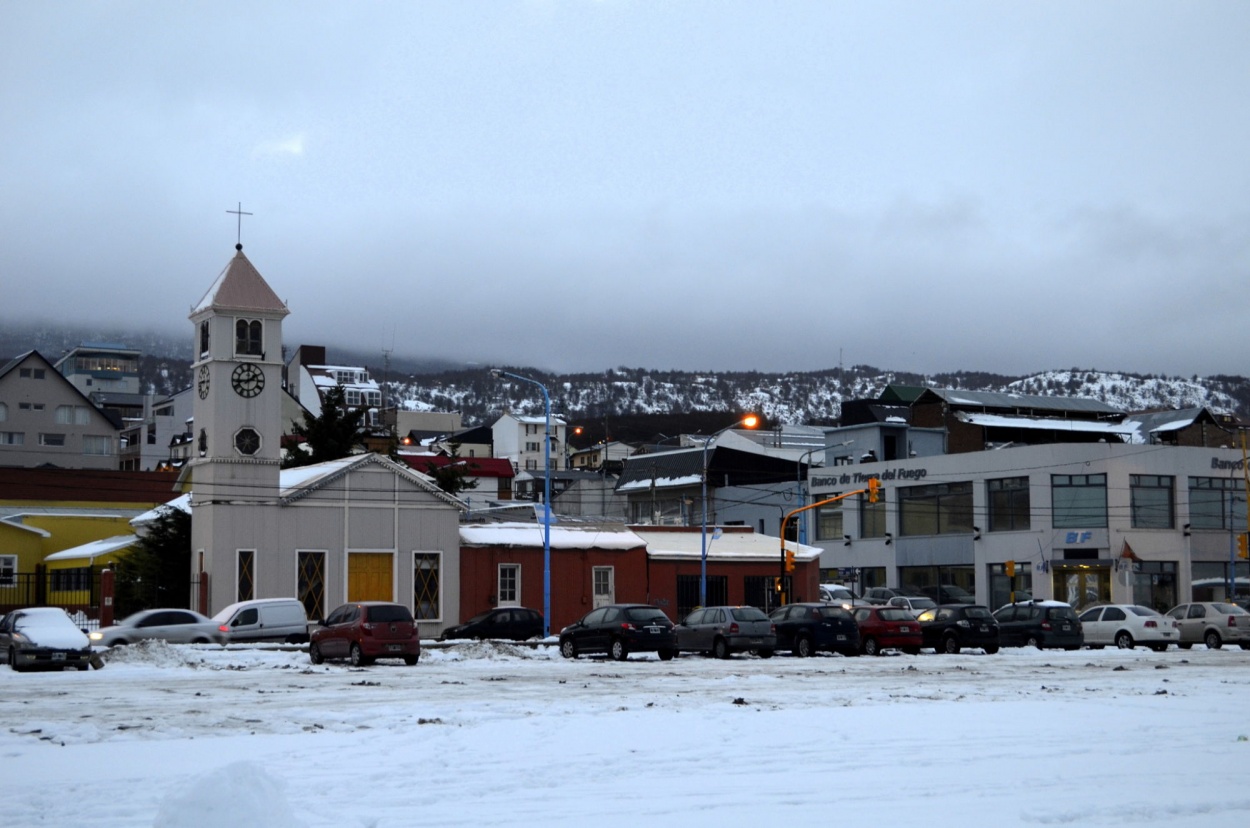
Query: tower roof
{"points": [[240, 287]]}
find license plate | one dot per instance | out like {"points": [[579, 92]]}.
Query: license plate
{"points": [[394, 648], [1067, 627], [904, 629], [653, 630], [841, 637], [58, 656], [757, 641], [984, 628]]}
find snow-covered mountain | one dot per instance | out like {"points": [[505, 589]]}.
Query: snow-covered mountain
{"points": [[790, 397]]}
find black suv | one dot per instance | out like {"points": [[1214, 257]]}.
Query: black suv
{"points": [[1039, 624], [804, 629], [951, 627], [508, 623], [618, 630]]}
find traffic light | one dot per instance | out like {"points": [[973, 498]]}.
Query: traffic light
{"points": [[874, 489], [789, 560], [776, 585], [1243, 546], [1010, 568]]}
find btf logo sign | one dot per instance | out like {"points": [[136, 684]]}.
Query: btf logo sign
{"points": [[1077, 537]]}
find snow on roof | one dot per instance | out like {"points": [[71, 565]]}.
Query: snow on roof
{"points": [[1006, 421], [562, 537], [182, 503], [90, 551], [16, 522], [300, 476], [660, 482], [739, 546]]}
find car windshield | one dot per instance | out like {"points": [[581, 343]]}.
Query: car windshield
{"points": [[480, 617], [977, 612], [1143, 611], [132, 619], [1063, 613], [646, 615], [389, 614], [895, 614], [1229, 609], [748, 614]]}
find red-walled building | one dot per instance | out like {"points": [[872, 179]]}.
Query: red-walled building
{"points": [[501, 564]]}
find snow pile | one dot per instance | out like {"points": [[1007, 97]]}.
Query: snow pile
{"points": [[230, 797], [490, 651]]}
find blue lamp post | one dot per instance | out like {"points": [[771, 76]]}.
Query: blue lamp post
{"points": [[496, 372], [750, 422]]}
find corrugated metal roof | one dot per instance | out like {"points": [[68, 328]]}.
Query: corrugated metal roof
{"points": [[1017, 402]]}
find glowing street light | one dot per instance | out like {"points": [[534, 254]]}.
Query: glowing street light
{"points": [[749, 421]]}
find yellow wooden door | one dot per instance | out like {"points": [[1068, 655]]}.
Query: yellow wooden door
{"points": [[369, 576]]}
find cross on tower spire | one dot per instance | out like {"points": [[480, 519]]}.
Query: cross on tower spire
{"points": [[239, 212]]}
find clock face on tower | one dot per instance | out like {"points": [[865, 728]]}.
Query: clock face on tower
{"points": [[248, 380], [204, 382]]}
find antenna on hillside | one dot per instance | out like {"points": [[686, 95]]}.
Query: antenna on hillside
{"points": [[386, 375]]}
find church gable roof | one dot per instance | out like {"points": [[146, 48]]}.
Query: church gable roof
{"points": [[304, 480], [240, 287]]}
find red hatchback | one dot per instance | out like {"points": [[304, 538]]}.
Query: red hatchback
{"points": [[364, 631], [881, 628]]}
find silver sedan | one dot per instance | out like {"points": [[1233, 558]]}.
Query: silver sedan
{"points": [[177, 626]]}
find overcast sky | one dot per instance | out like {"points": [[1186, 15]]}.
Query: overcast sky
{"points": [[701, 185]]}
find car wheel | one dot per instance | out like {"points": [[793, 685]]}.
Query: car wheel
{"points": [[357, 656], [568, 649], [1212, 640], [769, 653], [950, 645], [13, 665], [411, 660], [991, 649], [1033, 641], [720, 648], [667, 655], [1245, 645], [118, 642], [803, 647], [870, 646], [314, 654], [1123, 640], [618, 650]]}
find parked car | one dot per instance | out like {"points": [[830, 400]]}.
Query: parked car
{"points": [[881, 595], [838, 594], [805, 629], [507, 623], [884, 628], [177, 626], [43, 637], [264, 619], [1126, 626], [722, 631], [1039, 624], [912, 603], [1211, 623], [364, 631], [618, 630], [949, 594], [948, 628]]}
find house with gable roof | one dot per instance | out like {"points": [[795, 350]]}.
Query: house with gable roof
{"points": [[359, 528], [46, 421]]}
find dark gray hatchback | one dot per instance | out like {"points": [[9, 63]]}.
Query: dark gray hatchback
{"points": [[725, 630], [618, 630], [1039, 624]]}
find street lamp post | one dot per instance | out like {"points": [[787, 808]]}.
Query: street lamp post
{"points": [[496, 372], [749, 421]]}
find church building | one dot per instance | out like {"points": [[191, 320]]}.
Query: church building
{"points": [[358, 528]]}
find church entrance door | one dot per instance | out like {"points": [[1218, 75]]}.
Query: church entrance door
{"points": [[370, 576]]}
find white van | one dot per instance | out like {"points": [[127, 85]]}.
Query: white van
{"points": [[264, 619]]}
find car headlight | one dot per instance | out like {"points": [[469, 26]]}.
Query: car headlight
{"points": [[95, 636]]}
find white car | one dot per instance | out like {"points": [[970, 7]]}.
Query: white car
{"points": [[1126, 626], [838, 594], [177, 626], [1212, 623], [915, 604]]}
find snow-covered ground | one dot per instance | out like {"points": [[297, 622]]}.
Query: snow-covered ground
{"points": [[483, 734]]}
